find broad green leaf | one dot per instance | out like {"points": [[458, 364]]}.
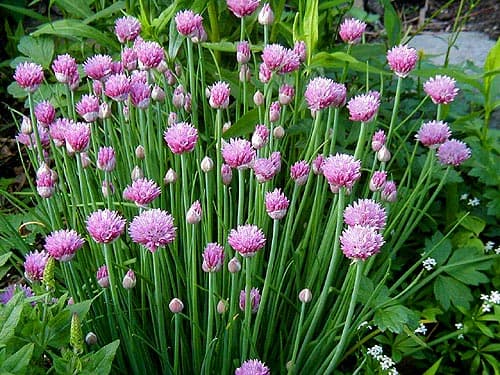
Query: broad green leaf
{"points": [[245, 125], [100, 362], [18, 362], [394, 318], [57, 331], [485, 330], [392, 23], [474, 224], [106, 12], [449, 291], [161, 22], [74, 8], [338, 59], [493, 361], [4, 258], [491, 348], [10, 314], [40, 50], [492, 63], [310, 27], [434, 368], [437, 248]]}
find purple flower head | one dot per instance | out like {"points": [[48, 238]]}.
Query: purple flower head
{"points": [[149, 54], [63, 244], [105, 226], [226, 174], [45, 113], [264, 73], [341, 170], [139, 76], [300, 49], [264, 169], [129, 58], [365, 212], [181, 137], [140, 95], [266, 15], [46, 180], [127, 29], [274, 111], [34, 265], [188, 22], [153, 229], [286, 94], [453, 152], [65, 68], [433, 133], [102, 276], [77, 136], [142, 191], [389, 192], [276, 204], [364, 107], [98, 67], [243, 53], [360, 242], [290, 62], [29, 76], [351, 30], [219, 95], [9, 292], [194, 213], [317, 164], [260, 136], [378, 180], [30, 140], [273, 56], [213, 257], [247, 240], [378, 140], [238, 153], [57, 131], [402, 60], [299, 172], [242, 8], [323, 92], [252, 367], [117, 87], [88, 107], [254, 300], [441, 89], [106, 160]]}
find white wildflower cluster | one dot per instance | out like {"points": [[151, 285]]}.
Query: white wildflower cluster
{"points": [[429, 263], [365, 324], [490, 300], [421, 330], [385, 362], [464, 196], [473, 202], [459, 327], [488, 246]]}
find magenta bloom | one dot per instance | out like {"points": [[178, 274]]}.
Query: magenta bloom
{"points": [[264, 169], [360, 242], [300, 49], [57, 131], [77, 137], [378, 140], [286, 94], [106, 160], [29, 140], [378, 180], [341, 170], [34, 265], [317, 164], [194, 213], [63, 244], [247, 240], [129, 58], [149, 54], [323, 92], [299, 172], [98, 67], [441, 89], [117, 87], [65, 68], [275, 157], [181, 137], [219, 95], [238, 153], [29, 76], [45, 113], [213, 257], [142, 191], [260, 136], [252, 367], [127, 29], [402, 60], [140, 95], [243, 53], [188, 22], [153, 229], [276, 204], [290, 62], [242, 8], [364, 107], [365, 212], [88, 107], [46, 180], [254, 300], [102, 276], [389, 192], [453, 152], [433, 133], [273, 56], [351, 30], [105, 226]]}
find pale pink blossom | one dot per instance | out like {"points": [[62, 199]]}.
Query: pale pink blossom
{"points": [[453, 152], [341, 170], [364, 107], [360, 242], [29, 76], [441, 89], [276, 204], [247, 240], [365, 212], [127, 29], [213, 257], [254, 300], [181, 137], [433, 133], [351, 30], [65, 68], [153, 229], [142, 191], [105, 226], [242, 8], [63, 244], [88, 107], [98, 67], [238, 153], [402, 60]]}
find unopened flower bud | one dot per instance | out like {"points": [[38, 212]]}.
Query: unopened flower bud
{"points": [[91, 338], [278, 132], [193, 216], [187, 103], [207, 164], [84, 158], [157, 93], [48, 274], [227, 174], [176, 305], [274, 112], [305, 295], [258, 98], [378, 180], [71, 301], [162, 66], [172, 118], [383, 155], [170, 177], [107, 189], [136, 173], [26, 127], [169, 75], [129, 280], [234, 265], [178, 69], [245, 74], [102, 276], [222, 306], [226, 126], [104, 111], [126, 113], [266, 15], [139, 152]]}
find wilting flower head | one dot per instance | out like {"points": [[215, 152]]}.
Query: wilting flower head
{"points": [[29, 76], [102, 276], [243, 53], [213, 257], [286, 94], [242, 8], [389, 192], [140, 95], [106, 160], [149, 54], [117, 87], [433, 133], [276, 204], [193, 215], [219, 95], [34, 265], [9, 292], [441, 89], [299, 172], [402, 60], [153, 229], [188, 22], [453, 152], [142, 191], [254, 300], [88, 107], [365, 212], [351, 30], [45, 113], [252, 367], [46, 180], [273, 55], [247, 239], [65, 68], [105, 226], [341, 170], [360, 242], [300, 49], [378, 140], [238, 153], [63, 244], [323, 92], [127, 29], [378, 180], [98, 67], [364, 107], [77, 136], [181, 137]]}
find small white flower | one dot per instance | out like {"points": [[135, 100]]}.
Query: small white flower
{"points": [[375, 351], [386, 362], [364, 324], [495, 297], [497, 250], [473, 202], [429, 263], [488, 246], [464, 196], [422, 329], [459, 326], [460, 336], [486, 308], [484, 297], [393, 371]]}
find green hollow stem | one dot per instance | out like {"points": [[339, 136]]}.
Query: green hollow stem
{"points": [[241, 195], [247, 336], [361, 142], [394, 110], [192, 82], [297, 339], [34, 126], [219, 185], [159, 308], [177, 340], [210, 312]]}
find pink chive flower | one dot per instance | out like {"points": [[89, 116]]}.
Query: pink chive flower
{"points": [[29, 140], [98, 67], [341, 170], [378, 180], [360, 242], [265, 73], [34, 265], [219, 95], [290, 62], [274, 111], [77, 137], [63, 244], [260, 136], [181, 137], [378, 140], [299, 172], [300, 50], [149, 54], [247, 240], [129, 58], [46, 180], [252, 367], [389, 192], [57, 131], [323, 92], [238, 153], [365, 212], [275, 157], [317, 164], [243, 53], [433, 133], [153, 229], [102, 276], [194, 213], [286, 94], [140, 95], [88, 107], [264, 169], [226, 174], [441, 89], [64, 67], [187, 22], [106, 159], [97, 88], [364, 107], [402, 60], [273, 56], [187, 102], [254, 300], [266, 15], [45, 113], [213, 257], [142, 191], [351, 30], [29, 76], [117, 87], [127, 29], [139, 76], [242, 8], [276, 204], [105, 226], [453, 152], [117, 67]]}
